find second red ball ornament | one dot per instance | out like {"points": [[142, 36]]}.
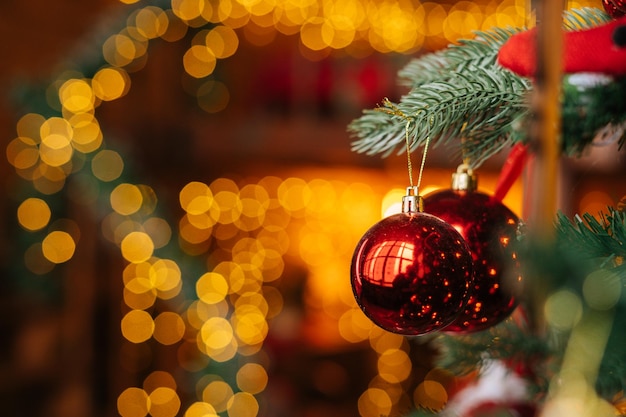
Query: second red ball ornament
{"points": [[615, 8], [411, 272], [490, 230]]}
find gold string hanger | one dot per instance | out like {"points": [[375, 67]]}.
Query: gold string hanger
{"points": [[412, 201]]}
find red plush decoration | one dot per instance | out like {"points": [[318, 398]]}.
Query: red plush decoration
{"points": [[615, 8], [591, 50]]}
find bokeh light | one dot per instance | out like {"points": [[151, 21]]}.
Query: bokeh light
{"points": [[33, 214], [245, 234]]}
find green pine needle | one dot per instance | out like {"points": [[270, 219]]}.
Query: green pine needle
{"points": [[461, 97]]}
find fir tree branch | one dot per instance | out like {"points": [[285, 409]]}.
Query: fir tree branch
{"points": [[589, 239], [476, 103], [438, 66], [585, 17], [461, 94]]}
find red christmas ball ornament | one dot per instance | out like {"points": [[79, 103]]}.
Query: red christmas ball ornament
{"points": [[411, 272], [615, 8], [490, 230]]}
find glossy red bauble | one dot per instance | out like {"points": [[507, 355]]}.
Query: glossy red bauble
{"points": [[411, 273], [615, 8], [490, 230]]}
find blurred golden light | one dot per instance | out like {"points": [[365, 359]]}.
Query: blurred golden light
{"points": [[311, 33], [382, 341], [55, 150], [76, 96], [201, 409], [194, 233], [232, 13], [110, 83], [119, 50], [199, 61], [169, 328], [195, 197], [87, 136], [120, 227], [166, 277], [137, 326], [394, 365], [234, 274], [56, 135], [126, 199], [199, 312], [242, 404], [107, 165], [22, 153], [222, 40], [294, 195], [138, 297], [151, 22], [164, 402], [33, 214], [48, 179], [216, 333], [354, 326], [252, 378], [249, 324], [217, 393], [430, 395], [137, 247], [158, 379], [58, 247], [133, 402], [29, 126], [211, 287], [374, 402], [188, 9]]}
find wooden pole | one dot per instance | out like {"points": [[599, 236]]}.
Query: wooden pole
{"points": [[545, 131], [544, 139]]}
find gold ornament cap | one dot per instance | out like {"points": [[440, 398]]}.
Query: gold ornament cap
{"points": [[464, 179], [412, 202]]}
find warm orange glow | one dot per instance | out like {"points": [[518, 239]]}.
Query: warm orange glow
{"points": [[33, 214]]}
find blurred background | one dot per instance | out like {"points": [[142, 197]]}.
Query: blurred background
{"points": [[181, 204]]}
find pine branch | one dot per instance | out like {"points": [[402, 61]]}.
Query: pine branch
{"points": [[476, 103], [585, 17], [461, 354], [479, 52], [589, 239], [462, 95]]}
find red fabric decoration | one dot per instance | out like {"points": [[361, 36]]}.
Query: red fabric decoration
{"points": [[590, 50], [511, 170]]}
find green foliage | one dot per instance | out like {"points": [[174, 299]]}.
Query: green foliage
{"points": [[586, 112], [461, 97], [588, 238], [457, 92], [508, 341]]}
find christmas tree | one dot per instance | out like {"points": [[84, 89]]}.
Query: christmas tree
{"points": [[562, 351]]}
